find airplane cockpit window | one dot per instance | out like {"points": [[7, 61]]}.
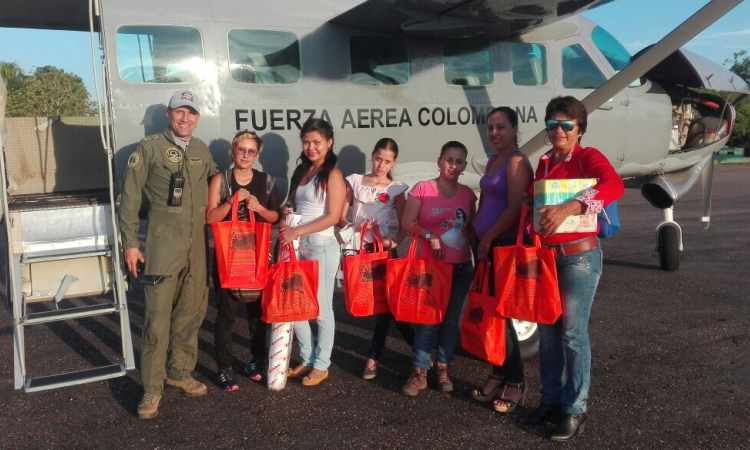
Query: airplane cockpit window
{"points": [[378, 60], [264, 56], [614, 52], [529, 64], [579, 71], [160, 54], [468, 62]]}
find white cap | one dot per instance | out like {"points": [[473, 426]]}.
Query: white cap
{"points": [[184, 98]]}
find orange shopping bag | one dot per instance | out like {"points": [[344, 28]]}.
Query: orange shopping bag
{"points": [[418, 289], [291, 293], [483, 328], [364, 280], [526, 280], [242, 251]]}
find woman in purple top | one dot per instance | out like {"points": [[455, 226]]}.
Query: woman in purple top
{"points": [[506, 179]]}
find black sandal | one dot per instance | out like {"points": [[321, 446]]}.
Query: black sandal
{"points": [[506, 405], [481, 397]]}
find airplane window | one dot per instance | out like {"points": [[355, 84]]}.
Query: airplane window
{"points": [[377, 60], [160, 54], [617, 55], [529, 64], [264, 56], [468, 62], [579, 71]]}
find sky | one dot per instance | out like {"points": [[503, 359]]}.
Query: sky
{"points": [[636, 23]]}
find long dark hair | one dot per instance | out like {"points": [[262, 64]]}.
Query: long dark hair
{"points": [[387, 143], [304, 163], [510, 113]]}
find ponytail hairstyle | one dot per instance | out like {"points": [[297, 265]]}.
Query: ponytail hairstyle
{"points": [[454, 144], [510, 114], [304, 163], [387, 144]]}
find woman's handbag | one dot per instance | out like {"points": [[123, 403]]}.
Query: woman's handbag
{"points": [[291, 293], [418, 289], [364, 280], [526, 280], [242, 251], [483, 328]]}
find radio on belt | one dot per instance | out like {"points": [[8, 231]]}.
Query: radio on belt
{"points": [[176, 183]]}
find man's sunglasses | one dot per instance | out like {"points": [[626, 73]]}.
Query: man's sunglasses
{"points": [[567, 125]]}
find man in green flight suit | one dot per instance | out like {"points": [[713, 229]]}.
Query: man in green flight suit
{"points": [[172, 168]]}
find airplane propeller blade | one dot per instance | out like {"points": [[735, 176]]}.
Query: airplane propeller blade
{"points": [[671, 42], [707, 181]]}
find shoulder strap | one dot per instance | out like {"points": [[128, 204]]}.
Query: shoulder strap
{"points": [[226, 186], [269, 185]]}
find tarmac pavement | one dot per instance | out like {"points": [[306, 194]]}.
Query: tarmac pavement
{"points": [[670, 368]]}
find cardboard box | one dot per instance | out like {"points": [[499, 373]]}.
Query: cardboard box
{"points": [[556, 192]]}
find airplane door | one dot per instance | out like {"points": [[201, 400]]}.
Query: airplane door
{"points": [[580, 72]]}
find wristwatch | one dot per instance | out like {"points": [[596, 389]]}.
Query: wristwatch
{"points": [[428, 236]]}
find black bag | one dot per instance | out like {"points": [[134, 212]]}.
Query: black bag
{"points": [[245, 295]]}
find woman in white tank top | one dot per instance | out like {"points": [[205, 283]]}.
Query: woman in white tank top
{"points": [[316, 192]]}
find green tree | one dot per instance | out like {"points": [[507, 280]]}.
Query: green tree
{"points": [[740, 64], [49, 91], [13, 75]]}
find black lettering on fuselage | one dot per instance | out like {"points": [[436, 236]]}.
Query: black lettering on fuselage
{"points": [[376, 115], [362, 119], [390, 117], [404, 118], [292, 117], [256, 124], [423, 122], [479, 115], [239, 118], [324, 116], [277, 119], [310, 113], [348, 120], [464, 115]]}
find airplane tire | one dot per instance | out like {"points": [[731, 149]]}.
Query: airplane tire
{"points": [[669, 249], [528, 338]]}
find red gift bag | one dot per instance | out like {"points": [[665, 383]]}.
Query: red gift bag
{"points": [[418, 289], [291, 293], [526, 280], [364, 280], [482, 328], [242, 251]]}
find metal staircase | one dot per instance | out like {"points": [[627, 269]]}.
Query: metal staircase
{"points": [[62, 244]]}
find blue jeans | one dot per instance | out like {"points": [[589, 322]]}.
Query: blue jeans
{"points": [[445, 333], [565, 350], [324, 249]]}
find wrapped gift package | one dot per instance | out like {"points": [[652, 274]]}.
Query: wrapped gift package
{"points": [[556, 192]]}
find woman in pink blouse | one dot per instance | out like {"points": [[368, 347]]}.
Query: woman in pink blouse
{"points": [[442, 209]]}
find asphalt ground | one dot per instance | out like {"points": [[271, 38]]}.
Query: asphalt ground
{"points": [[671, 366]]}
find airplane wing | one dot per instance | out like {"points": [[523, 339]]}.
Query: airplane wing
{"points": [[649, 59], [688, 69], [72, 15], [460, 18]]}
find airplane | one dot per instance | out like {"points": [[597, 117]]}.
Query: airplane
{"points": [[421, 72]]}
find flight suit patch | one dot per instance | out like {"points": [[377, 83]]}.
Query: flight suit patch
{"points": [[195, 161], [173, 154], [134, 160], [150, 138]]}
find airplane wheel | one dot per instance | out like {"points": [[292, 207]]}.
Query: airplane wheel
{"points": [[669, 249], [528, 338]]}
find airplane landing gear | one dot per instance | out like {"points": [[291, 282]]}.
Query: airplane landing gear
{"points": [[669, 241]]}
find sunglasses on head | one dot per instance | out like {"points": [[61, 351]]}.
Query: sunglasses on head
{"points": [[567, 125]]}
